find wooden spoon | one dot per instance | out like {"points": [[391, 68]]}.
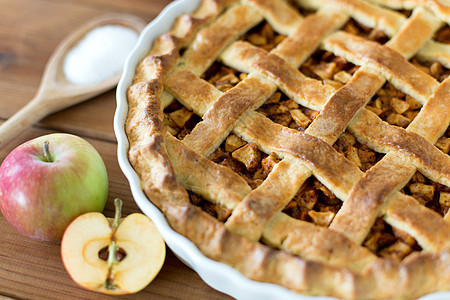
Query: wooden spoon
{"points": [[55, 91]]}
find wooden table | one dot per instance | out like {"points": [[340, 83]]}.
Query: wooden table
{"points": [[29, 32]]}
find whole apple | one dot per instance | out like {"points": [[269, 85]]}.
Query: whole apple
{"points": [[47, 182]]}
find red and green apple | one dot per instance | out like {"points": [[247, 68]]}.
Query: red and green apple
{"points": [[47, 182]]}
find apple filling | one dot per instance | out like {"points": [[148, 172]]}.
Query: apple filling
{"points": [[358, 153], [263, 36], [216, 210], [443, 143], [368, 33], [284, 111], [332, 70], [434, 68], [389, 242], [393, 106], [178, 120], [429, 193], [246, 160], [443, 34], [314, 203], [223, 77]]}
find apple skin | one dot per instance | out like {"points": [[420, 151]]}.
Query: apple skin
{"points": [[41, 198]]}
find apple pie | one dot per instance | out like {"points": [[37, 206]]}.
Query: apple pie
{"points": [[304, 143]]}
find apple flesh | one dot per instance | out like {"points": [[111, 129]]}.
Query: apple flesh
{"points": [[135, 238], [47, 182]]}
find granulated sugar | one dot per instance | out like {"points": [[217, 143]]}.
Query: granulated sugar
{"points": [[99, 55]]}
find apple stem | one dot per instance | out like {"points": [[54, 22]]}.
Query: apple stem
{"points": [[112, 249], [47, 155], [118, 205]]}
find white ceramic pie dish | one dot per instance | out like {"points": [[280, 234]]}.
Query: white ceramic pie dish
{"points": [[217, 275]]}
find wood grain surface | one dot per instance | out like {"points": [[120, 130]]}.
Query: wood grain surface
{"points": [[29, 32]]}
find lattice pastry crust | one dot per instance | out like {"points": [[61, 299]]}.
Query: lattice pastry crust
{"points": [[258, 238]]}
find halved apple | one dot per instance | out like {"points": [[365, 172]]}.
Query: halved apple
{"points": [[113, 256]]}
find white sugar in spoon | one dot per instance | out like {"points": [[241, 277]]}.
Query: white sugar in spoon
{"points": [[55, 91]]}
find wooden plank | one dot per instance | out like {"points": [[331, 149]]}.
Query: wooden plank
{"points": [[137, 7]]}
